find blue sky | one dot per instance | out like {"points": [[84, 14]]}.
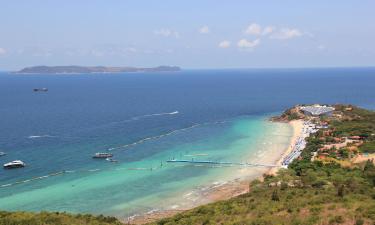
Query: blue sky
{"points": [[190, 34]]}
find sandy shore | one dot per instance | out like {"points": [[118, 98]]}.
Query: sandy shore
{"points": [[223, 192], [230, 189], [297, 126]]}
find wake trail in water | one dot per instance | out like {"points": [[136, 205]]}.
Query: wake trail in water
{"points": [[33, 179], [112, 149], [155, 114], [47, 176], [64, 172], [163, 135], [135, 118], [41, 136]]}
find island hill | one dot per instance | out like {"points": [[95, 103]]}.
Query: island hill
{"points": [[93, 69]]}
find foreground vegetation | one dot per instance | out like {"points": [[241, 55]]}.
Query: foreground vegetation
{"points": [[308, 194], [48, 218], [323, 186]]}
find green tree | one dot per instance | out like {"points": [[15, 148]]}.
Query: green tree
{"points": [[275, 196], [369, 171], [340, 191]]}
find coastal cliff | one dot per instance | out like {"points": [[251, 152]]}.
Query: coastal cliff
{"points": [[290, 114], [93, 69]]}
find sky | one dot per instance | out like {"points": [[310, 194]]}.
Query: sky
{"points": [[192, 34]]}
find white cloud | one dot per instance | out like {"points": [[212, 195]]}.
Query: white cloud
{"points": [[131, 50], [204, 30], [274, 32], [322, 47], [254, 29], [243, 43], [287, 33], [167, 33], [97, 53], [267, 30], [224, 44], [42, 53], [169, 51], [2, 51]]}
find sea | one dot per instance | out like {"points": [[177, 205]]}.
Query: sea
{"points": [[144, 120]]}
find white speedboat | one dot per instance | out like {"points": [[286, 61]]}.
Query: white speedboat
{"points": [[14, 164], [111, 160], [102, 155]]}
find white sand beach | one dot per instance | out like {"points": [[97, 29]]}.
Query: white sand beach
{"points": [[297, 126], [274, 155]]}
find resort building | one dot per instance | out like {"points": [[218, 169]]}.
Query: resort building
{"points": [[317, 110]]}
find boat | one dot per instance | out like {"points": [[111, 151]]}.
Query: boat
{"points": [[40, 89], [2, 153], [14, 164], [111, 160], [102, 155]]}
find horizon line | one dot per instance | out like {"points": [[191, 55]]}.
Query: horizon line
{"points": [[224, 68]]}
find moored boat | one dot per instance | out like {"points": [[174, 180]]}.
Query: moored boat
{"points": [[40, 89], [111, 160], [102, 155], [14, 164]]}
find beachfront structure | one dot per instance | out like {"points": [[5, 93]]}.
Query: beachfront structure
{"points": [[308, 128], [317, 110]]}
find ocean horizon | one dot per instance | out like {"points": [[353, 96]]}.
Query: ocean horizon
{"points": [[145, 119]]}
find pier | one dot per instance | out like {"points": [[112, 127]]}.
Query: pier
{"points": [[221, 163]]}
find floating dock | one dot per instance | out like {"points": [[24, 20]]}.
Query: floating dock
{"points": [[220, 163]]}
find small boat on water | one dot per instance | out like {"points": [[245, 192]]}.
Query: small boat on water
{"points": [[2, 154], [111, 160], [14, 164], [102, 155], [40, 89]]}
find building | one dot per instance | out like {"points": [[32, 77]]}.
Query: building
{"points": [[317, 110]]}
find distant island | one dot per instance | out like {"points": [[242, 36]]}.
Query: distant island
{"points": [[94, 69]]}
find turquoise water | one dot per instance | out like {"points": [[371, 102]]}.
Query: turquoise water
{"points": [[140, 186], [145, 119]]}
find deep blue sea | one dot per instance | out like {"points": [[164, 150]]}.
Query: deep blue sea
{"points": [[145, 119]]}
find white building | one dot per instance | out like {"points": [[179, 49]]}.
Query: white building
{"points": [[317, 110]]}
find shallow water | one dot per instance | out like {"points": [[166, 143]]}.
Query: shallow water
{"points": [[144, 120]]}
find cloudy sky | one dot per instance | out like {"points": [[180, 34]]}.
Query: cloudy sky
{"points": [[190, 34]]}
